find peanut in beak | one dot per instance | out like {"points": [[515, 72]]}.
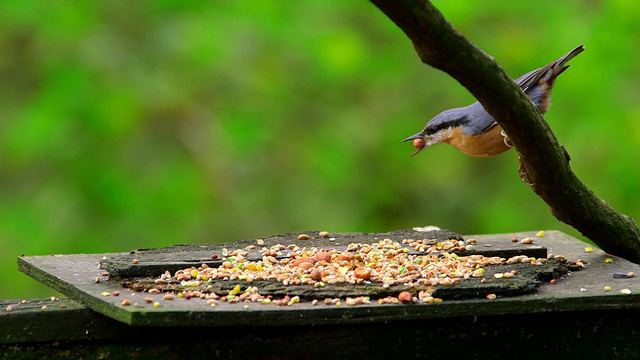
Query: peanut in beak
{"points": [[419, 142]]}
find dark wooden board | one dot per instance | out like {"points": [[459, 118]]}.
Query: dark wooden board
{"points": [[54, 320], [74, 276], [75, 332]]}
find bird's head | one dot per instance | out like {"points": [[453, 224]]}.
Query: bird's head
{"points": [[438, 129]]}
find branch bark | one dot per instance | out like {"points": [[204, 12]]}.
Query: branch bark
{"points": [[544, 161]]}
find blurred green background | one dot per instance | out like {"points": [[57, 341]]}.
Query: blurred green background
{"points": [[153, 123]]}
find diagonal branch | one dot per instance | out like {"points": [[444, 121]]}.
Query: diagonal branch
{"points": [[543, 160]]}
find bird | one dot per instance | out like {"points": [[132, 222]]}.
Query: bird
{"points": [[473, 131]]}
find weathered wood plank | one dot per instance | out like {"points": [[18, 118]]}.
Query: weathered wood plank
{"points": [[74, 275], [53, 320]]}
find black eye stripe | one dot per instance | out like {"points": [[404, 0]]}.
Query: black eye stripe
{"points": [[434, 128]]}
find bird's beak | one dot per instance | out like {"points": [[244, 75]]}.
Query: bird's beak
{"points": [[419, 145]]}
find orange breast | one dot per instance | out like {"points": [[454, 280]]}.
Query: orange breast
{"points": [[489, 143]]}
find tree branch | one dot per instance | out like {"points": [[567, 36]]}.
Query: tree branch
{"points": [[544, 161]]}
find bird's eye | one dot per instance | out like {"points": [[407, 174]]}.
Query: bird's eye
{"points": [[430, 130]]}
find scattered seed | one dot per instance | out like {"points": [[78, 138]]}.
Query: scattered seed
{"points": [[115, 293], [527, 241], [235, 290], [105, 293], [96, 280], [134, 261], [168, 297], [148, 300], [553, 281], [607, 288], [308, 260], [405, 297], [470, 248], [105, 274], [294, 300], [125, 302], [540, 234], [513, 239], [588, 249], [362, 273], [346, 256], [44, 307], [625, 291], [156, 304], [306, 265], [323, 233], [491, 296], [154, 291], [583, 290], [631, 274], [608, 260], [323, 256], [303, 237]]}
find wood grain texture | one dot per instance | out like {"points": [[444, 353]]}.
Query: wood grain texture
{"points": [[74, 275]]}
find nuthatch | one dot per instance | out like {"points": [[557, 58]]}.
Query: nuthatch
{"points": [[476, 133]]}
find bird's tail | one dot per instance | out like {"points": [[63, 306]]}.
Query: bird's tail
{"points": [[548, 73], [560, 66]]}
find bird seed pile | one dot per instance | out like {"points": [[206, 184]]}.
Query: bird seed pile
{"points": [[385, 263]]}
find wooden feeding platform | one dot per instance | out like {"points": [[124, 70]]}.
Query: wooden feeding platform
{"points": [[571, 291]]}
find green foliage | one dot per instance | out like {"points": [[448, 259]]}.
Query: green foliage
{"points": [[153, 123]]}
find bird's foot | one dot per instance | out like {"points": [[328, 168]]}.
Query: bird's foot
{"points": [[523, 174]]}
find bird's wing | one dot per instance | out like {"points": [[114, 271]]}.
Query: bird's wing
{"points": [[483, 121]]}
